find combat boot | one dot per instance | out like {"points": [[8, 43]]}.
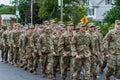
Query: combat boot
{"points": [[43, 75], [35, 72], [53, 77], [50, 76], [107, 78]]}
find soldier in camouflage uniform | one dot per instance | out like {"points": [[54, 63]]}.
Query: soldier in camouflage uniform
{"points": [[102, 63], [34, 39], [5, 38], [95, 58], [112, 50], [11, 56], [15, 41], [55, 58], [21, 48], [28, 59], [82, 49], [65, 50], [45, 46], [1, 42]]}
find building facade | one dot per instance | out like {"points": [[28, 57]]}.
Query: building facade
{"points": [[97, 8]]}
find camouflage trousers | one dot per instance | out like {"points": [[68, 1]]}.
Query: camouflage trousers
{"points": [[44, 62], [35, 61], [113, 63], [2, 55], [93, 67], [11, 55], [5, 53], [64, 65], [16, 55], [21, 57], [77, 66], [53, 64], [28, 59]]}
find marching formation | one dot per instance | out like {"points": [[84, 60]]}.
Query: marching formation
{"points": [[59, 48]]}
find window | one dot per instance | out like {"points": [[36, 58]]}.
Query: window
{"points": [[107, 2], [91, 12]]}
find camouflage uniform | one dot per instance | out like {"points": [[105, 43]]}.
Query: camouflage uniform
{"points": [[65, 49], [11, 54], [112, 47], [21, 49], [95, 58], [5, 37], [83, 47], [55, 58], [102, 63], [15, 41], [34, 39], [45, 46], [1, 44], [27, 59]]}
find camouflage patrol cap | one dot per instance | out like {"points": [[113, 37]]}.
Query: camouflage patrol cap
{"points": [[18, 24], [46, 28], [46, 22], [60, 22], [117, 21], [70, 23], [91, 25], [52, 21], [31, 26], [26, 28], [97, 27], [81, 24], [58, 27]]}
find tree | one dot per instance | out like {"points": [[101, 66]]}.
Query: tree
{"points": [[73, 11], [113, 14], [7, 9]]}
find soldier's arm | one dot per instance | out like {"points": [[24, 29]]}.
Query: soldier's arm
{"points": [[106, 41], [73, 46], [39, 41], [61, 45]]}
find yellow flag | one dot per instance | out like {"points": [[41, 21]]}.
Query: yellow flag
{"points": [[84, 20]]}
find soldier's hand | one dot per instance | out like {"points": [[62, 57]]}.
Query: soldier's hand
{"points": [[19, 49], [14, 45], [40, 54], [54, 53], [64, 54], [107, 55], [78, 57], [35, 50]]}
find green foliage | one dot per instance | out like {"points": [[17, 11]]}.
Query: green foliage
{"points": [[7, 9], [72, 11], [113, 14], [104, 28]]}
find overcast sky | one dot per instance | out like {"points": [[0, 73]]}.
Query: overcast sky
{"points": [[6, 2]]}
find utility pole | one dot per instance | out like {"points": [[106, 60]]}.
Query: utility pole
{"points": [[17, 10], [61, 10], [31, 11]]}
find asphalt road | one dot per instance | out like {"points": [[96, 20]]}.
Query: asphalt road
{"points": [[9, 72]]}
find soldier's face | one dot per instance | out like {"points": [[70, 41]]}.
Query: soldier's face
{"points": [[118, 26], [92, 29], [98, 30], [47, 31], [83, 29], [70, 27]]}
